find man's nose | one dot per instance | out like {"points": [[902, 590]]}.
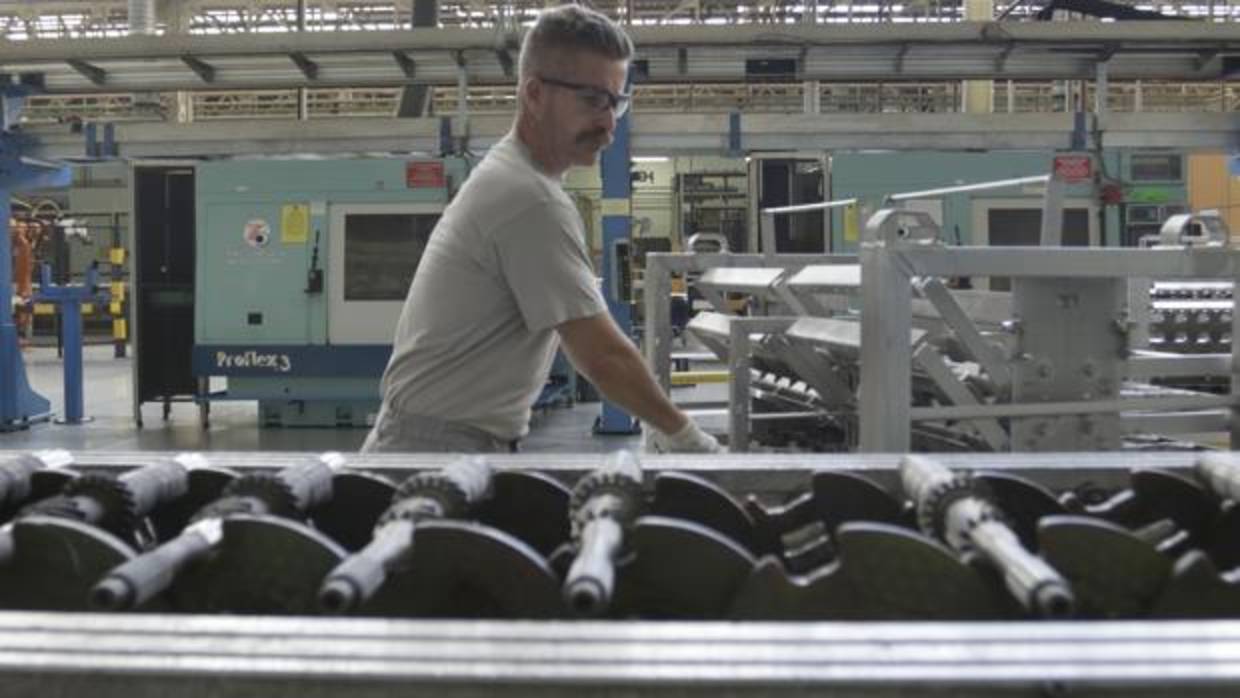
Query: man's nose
{"points": [[607, 119]]}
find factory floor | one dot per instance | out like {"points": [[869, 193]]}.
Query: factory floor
{"points": [[108, 400]]}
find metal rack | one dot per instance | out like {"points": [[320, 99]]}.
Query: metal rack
{"points": [[1055, 392]]}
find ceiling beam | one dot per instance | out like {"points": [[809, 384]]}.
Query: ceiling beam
{"points": [[676, 134], [1152, 35]]}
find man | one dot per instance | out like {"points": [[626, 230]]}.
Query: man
{"points": [[506, 275]]}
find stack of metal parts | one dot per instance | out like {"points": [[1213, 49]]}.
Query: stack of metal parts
{"points": [[543, 540], [1191, 317]]}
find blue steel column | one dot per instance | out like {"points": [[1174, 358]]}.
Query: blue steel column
{"points": [[614, 168], [19, 404], [71, 326]]}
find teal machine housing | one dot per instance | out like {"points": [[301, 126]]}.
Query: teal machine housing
{"points": [[1153, 186], [302, 267]]}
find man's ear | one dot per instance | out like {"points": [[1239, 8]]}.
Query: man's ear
{"points": [[533, 92]]}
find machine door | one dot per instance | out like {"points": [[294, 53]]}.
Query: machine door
{"points": [[163, 280], [374, 250]]}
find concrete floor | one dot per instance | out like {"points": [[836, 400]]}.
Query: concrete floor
{"points": [[108, 398]]}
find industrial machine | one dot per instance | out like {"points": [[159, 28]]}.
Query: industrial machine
{"points": [[1052, 573], [299, 271], [885, 351], [1123, 195]]}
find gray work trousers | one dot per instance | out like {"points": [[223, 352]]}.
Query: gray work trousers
{"points": [[395, 431]]}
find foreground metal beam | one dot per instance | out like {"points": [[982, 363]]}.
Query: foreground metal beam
{"points": [[198, 656]]}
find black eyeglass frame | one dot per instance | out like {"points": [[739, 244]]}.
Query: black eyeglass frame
{"points": [[618, 103]]}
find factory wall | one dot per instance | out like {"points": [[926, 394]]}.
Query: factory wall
{"points": [[1212, 186]]}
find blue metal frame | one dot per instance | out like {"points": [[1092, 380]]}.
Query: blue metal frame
{"points": [[614, 166], [69, 299], [20, 405]]}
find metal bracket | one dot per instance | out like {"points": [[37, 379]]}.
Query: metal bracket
{"points": [[734, 135], [407, 65], [307, 67], [900, 226], [201, 68], [505, 61], [898, 67], [96, 75]]}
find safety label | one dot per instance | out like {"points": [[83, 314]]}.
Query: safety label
{"points": [[424, 175], [294, 224]]}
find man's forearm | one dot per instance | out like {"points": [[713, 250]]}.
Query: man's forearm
{"points": [[623, 378]]}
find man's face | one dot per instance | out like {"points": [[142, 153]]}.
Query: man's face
{"points": [[574, 124]]}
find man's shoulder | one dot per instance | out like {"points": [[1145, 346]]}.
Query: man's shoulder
{"points": [[505, 193], [506, 181]]}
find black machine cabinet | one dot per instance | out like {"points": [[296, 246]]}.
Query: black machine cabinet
{"points": [[163, 264]]}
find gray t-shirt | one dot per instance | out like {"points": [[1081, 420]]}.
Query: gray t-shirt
{"points": [[505, 265]]}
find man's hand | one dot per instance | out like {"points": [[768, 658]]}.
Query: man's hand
{"points": [[690, 439]]}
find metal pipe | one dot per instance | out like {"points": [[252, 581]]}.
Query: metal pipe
{"points": [[1046, 409], [980, 186], [800, 208], [904, 196]]}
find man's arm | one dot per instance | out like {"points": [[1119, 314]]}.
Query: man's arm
{"points": [[602, 353]]}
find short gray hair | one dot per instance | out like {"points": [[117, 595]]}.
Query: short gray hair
{"points": [[572, 28]]}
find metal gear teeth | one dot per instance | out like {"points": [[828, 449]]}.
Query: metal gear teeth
{"points": [[932, 509], [601, 483], [229, 506], [270, 489], [60, 507], [120, 511], [409, 501]]}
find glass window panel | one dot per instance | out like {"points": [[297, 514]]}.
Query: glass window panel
{"points": [[1157, 168], [381, 253]]}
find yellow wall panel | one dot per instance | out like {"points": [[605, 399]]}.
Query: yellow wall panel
{"points": [[1211, 186]]}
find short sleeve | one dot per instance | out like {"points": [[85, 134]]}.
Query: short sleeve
{"points": [[543, 258]]}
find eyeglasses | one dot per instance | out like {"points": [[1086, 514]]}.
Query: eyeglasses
{"points": [[595, 98]]}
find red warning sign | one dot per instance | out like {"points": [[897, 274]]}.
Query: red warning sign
{"points": [[1074, 168], [427, 174]]}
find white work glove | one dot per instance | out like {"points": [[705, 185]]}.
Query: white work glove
{"points": [[690, 439]]}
